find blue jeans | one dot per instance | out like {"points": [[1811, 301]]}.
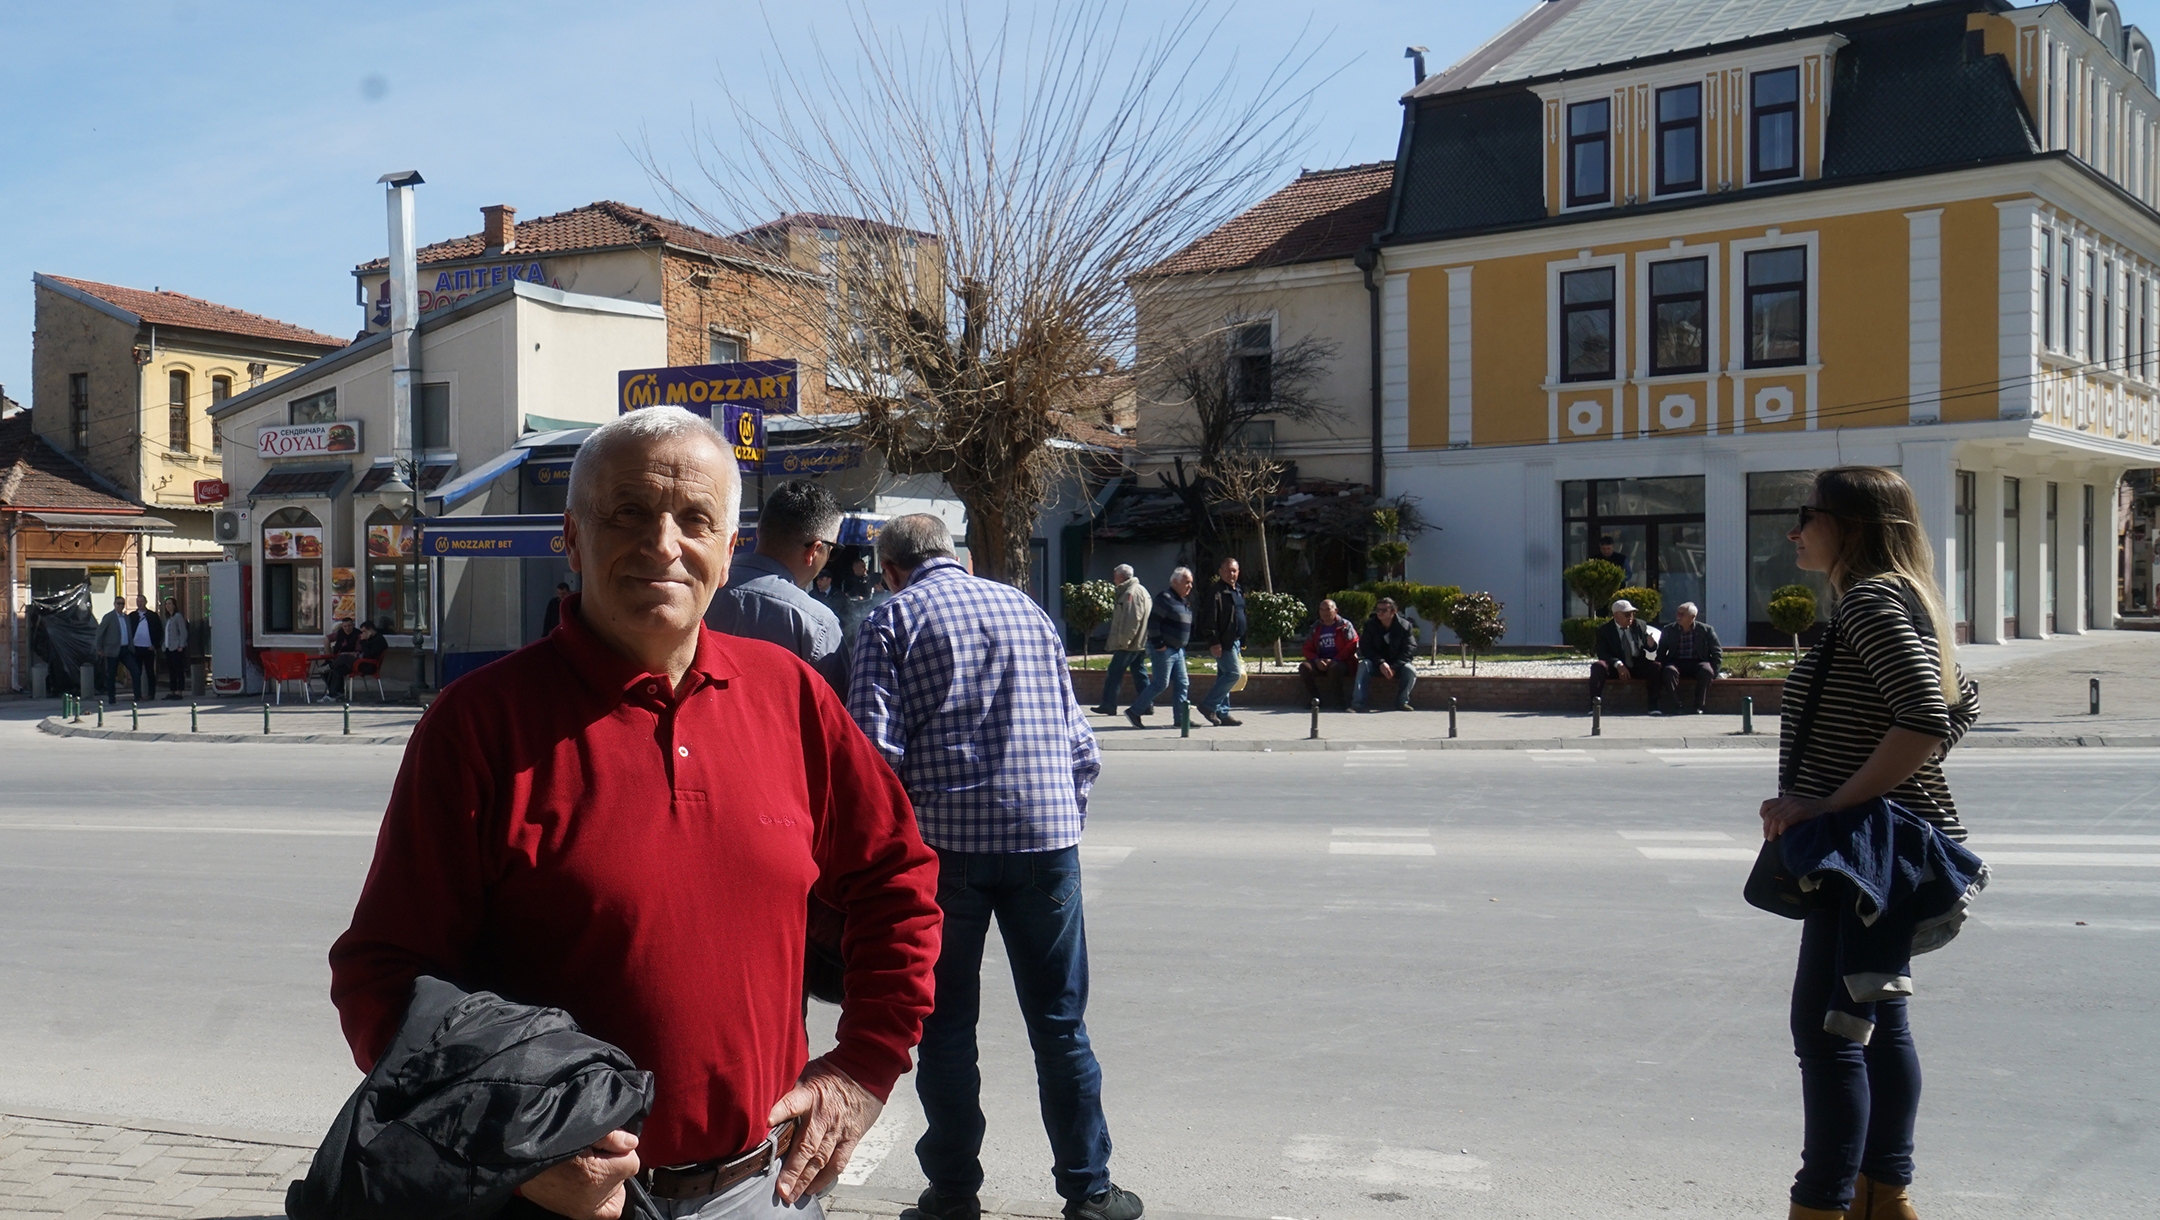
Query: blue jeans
{"points": [[1035, 897], [1861, 1101], [1114, 681], [1405, 682], [1229, 667], [1165, 662]]}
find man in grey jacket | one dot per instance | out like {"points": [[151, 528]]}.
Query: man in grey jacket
{"points": [[174, 650], [112, 649], [1128, 639], [766, 598]]}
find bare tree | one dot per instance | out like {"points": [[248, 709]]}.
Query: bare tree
{"points": [[1220, 387], [1047, 160]]}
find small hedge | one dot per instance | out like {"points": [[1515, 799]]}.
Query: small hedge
{"points": [[1580, 633], [1355, 605], [1647, 602]]}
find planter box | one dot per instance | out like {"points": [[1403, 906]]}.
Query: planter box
{"points": [[1476, 694]]}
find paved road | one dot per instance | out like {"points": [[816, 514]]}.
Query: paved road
{"points": [[1419, 984]]}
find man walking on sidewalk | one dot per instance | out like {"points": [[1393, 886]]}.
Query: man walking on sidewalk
{"points": [[1128, 639], [962, 684], [765, 598], [1220, 620], [1169, 630]]}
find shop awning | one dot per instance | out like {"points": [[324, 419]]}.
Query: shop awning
{"points": [[96, 523], [527, 536], [301, 482], [466, 486], [432, 473], [859, 529]]}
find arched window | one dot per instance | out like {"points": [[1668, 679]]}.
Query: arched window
{"points": [[176, 398], [220, 390], [292, 563], [397, 593]]}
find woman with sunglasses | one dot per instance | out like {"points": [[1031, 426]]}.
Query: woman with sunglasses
{"points": [[1890, 708]]}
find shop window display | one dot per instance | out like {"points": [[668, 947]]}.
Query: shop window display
{"points": [[292, 554], [397, 594]]}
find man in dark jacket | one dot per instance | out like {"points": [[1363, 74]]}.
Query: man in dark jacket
{"points": [[1330, 652], [1385, 650], [112, 648], [1220, 622], [551, 618], [1689, 649], [1624, 650], [1170, 629], [145, 634]]}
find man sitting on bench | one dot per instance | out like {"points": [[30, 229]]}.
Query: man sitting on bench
{"points": [[1689, 649], [1384, 651], [1624, 651]]}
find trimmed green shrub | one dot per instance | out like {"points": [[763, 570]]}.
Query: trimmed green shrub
{"points": [[1431, 603], [1580, 633], [1355, 605], [1791, 615], [1389, 556], [1595, 580], [1088, 605], [1647, 602], [1475, 620], [1272, 617]]}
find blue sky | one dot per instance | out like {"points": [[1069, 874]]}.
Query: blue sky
{"points": [[230, 150]]}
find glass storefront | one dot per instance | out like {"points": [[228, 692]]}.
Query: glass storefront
{"points": [[1961, 587], [397, 600], [2012, 550], [1656, 528], [292, 551], [1774, 498]]}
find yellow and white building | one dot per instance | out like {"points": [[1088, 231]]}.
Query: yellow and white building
{"points": [[1648, 262]]}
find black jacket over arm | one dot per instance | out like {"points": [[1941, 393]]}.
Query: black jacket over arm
{"points": [[1393, 645], [1221, 618], [1707, 647]]}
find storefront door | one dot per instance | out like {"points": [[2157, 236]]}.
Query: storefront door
{"points": [[1656, 527], [187, 583]]}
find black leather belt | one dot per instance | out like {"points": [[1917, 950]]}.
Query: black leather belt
{"points": [[704, 1178]]}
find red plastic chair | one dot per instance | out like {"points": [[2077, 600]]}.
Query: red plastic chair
{"points": [[365, 668], [283, 667]]}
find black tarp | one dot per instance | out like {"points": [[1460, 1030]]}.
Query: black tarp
{"points": [[63, 634]]}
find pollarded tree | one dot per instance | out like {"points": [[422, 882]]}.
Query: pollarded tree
{"points": [[1051, 157]]}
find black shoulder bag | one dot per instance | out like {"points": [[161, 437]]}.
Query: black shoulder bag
{"points": [[1769, 885]]}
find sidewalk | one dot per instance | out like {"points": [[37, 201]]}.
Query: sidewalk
{"points": [[59, 1166], [2032, 693]]}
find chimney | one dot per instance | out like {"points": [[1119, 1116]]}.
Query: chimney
{"points": [[499, 227]]}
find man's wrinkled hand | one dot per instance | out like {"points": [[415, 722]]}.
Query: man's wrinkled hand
{"points": [[589, 1186], [831, 1113]]}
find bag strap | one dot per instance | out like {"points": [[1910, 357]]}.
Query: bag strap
{"points": [[1825, 654]]}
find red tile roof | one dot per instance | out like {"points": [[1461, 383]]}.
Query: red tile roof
{"points": [[34, 475], [820, 220], [162, 308], [1324, 214], [596, 226]]}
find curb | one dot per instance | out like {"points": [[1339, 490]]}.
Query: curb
{"points": [[235, 1135], [1729, 741], [61, 728]]}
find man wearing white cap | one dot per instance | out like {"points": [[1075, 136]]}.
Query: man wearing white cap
{"points": [[1624, 650]]}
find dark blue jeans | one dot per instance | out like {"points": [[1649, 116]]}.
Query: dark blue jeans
{"points": [[1133, 660], [1861, 1101], [1035, 897]]}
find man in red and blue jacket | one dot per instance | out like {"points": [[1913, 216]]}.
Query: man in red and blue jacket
{"points": [[1330, 656]]}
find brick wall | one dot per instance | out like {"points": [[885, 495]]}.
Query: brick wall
{"points": [[778, 318]]}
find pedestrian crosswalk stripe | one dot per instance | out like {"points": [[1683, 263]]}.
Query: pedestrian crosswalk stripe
{"points": [[2079, 888], [1736, 758], [2030, 840], [2076, 859], [1103, 857], [1698, 853], [1355, 847], [1678, 836], [1561, 756], [1376, 758], [1383, 832]]}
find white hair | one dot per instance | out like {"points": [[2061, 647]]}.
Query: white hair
{"points": [[1122, 572], [1689, 608], [650, 426], [1180, 571]]}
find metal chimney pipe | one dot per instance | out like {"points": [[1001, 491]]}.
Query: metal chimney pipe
{"points": [[404, 315], [1417, 66]]}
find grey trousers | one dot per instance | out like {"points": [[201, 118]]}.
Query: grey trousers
{"points": [[751, 1199]]}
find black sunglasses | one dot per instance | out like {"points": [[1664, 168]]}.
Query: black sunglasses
{"points": [[1809, 512]]}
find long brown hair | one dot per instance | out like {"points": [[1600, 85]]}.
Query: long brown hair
{"points": [[1879, 534]]}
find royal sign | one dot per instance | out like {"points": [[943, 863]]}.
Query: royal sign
{"points": [[212, 491], [308, 440], [768, 385]]}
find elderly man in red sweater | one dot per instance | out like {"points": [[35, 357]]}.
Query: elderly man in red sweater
{"points": [[626, 820], [1330, 656]]}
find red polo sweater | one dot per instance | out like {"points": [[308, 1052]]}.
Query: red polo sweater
{"points": [[565, 832]]}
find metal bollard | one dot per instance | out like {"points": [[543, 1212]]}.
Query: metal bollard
{"points": [[1315, 721], [2095, 698], [1184, 719], [266, 717], [1451, 710], [348, 717], [192, 725], [134, 716], [101, 713], [1597, 716], [1747, 715]]}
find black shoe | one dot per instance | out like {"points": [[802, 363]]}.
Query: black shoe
{"points": [[935, 1204], [1362, 711], [1112, 1204], [1209, 715], [1228, 721], [1133, 714], [1404, 707], [1104, 711]]}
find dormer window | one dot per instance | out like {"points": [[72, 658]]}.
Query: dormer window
{"points": [[1589, 153], [1774, 125], [1679, 139]]}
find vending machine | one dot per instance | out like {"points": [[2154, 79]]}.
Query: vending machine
{"points": [[233, 667]]}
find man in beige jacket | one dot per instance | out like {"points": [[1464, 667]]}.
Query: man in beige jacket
{"points": [[1128, 639]]}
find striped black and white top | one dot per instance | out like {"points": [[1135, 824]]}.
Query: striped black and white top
{"points": [[1886, 673]]}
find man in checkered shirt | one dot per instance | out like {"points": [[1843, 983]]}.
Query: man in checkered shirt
{"points": [[961, 683]]}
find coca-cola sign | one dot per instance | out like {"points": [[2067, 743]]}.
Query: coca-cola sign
{"points": [[308, 440]]}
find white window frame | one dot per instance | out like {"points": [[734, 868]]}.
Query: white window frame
{"points": [[1737, 301], [1622, 292]]}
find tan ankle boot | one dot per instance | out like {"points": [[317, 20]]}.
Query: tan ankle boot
{"points": [[1813, 1213], [1880, 1201]]}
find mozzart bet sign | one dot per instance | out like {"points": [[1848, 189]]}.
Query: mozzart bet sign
{"points": [[735, 397], [308, 440]]}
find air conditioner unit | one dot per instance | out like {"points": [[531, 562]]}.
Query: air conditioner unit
{"points": [[231, 526]]}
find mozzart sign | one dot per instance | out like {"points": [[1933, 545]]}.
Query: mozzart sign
{"points": [[735, 397], [308, 440]]}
